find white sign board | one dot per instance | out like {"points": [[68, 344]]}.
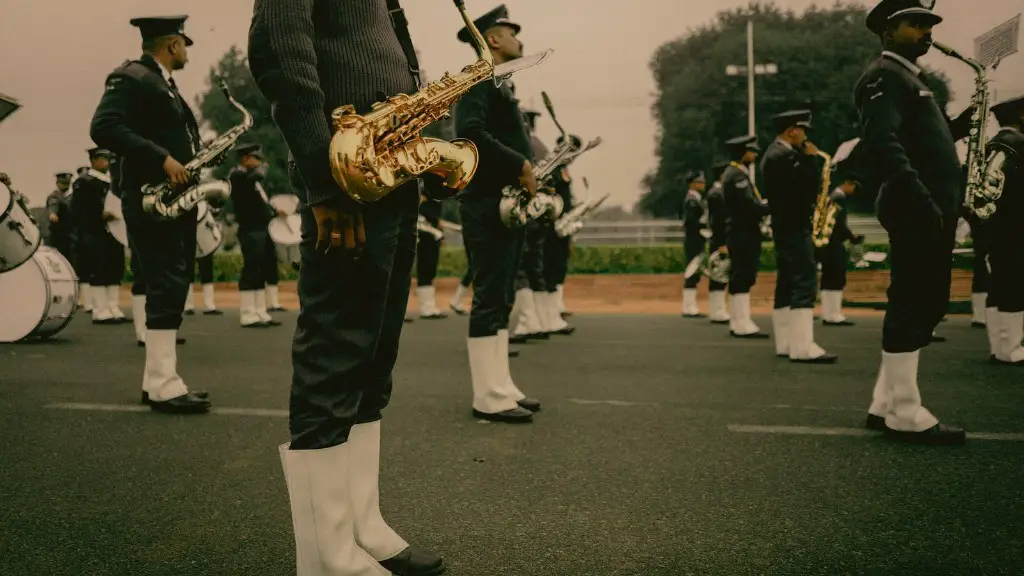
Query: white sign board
{"points": [[997, 43]]}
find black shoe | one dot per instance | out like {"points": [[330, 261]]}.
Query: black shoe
{"points": [[840, 323], [754, 336], [198, 394], [408, 319], [178, 340], [938, 338], [565, 314], [698, 315], [457, 310], [516, 415], [414, 562], [826, 359], [213, 312], [517, 339], [187, 404], [538, 336], [277, 309], [272, 322], [531, 404], [975, 324], [938, 435], [189, 312], [568, 330], [513, 353], [260, 324], [719, 321], [876, 423], [438, 316], [107, 322]]}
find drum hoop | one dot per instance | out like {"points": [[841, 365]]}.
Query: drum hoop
{"points": [[49, 299], [220, 242], [10, 205]]}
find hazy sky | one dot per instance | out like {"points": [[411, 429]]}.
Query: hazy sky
{"points": [[55, 54]]}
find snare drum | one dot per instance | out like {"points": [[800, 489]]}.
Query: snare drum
{"points": [[19, 235], [287, 203], [209, 236], [117, 228], [39, 299], [286, 231]]}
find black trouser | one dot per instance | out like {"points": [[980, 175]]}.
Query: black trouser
{"points": [[205, 266], [693, 248], [467, 277], [493, 252], [104, 258], [745, 257], [919, 284], [255, 274], [556, 259], [350, 321], [138, 282], [61, 242], [428, 255], [166, 261], [833, 258], [797, 276], [1006, 284], [270, 267], [712, 285], [532, 260], [519, 278], [980, 280]]}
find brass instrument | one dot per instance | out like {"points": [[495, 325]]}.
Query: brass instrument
{"points": [[423, 225], [715, 266], [168, 202], [824, 220], [373, 154], [982, 194], [572, 222]]}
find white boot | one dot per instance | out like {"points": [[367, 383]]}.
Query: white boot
{"points": [[690, 307], [781, 321], [139, 316], [272, 297], [161, 378], [735, 322], [741, 315], [490, 394], [560, 291], [85, 296], [832, 306], [1012, 330], [425, 295], [906, 413], [209, 303], [247, 308], [190, 299], [505, 373], [114, 301], [372, 533], [880, 397], [323, 517], [100, 306], [547, 310], [716, 306], [261, 306], [978, 300], [529, 321], [992, 326], [456, 301], [801, 336]]}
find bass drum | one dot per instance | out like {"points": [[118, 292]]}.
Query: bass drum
{"points": [[209, 236], [20, 237], [39, 299], [117, 228]]}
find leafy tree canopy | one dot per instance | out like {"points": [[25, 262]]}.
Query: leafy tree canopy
{"points": [[820, 55]]}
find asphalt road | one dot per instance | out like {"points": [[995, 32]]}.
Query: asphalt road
{"points": [[662, 449]]}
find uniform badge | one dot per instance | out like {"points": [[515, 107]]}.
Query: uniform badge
{"points": [[926, 94]]}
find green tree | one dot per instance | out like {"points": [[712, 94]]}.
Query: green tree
{"points": [[219, 115], [820, 55]]}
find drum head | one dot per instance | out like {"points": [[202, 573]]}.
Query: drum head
{"points": [[23, 297], [5, 199], [287, 203], [203, 208], [286, 231]]}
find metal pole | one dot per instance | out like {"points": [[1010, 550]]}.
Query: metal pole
{"points": [[752, 126]]}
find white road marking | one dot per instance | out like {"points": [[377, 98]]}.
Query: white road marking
{"points": [[816, 408], [815, 431], [611, 402]]}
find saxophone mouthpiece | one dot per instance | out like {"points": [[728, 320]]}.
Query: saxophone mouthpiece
{"points": [[478, 38]]}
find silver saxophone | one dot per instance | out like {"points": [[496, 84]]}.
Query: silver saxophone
{"points": [[166, 201], [572, 222], [423, 225]]}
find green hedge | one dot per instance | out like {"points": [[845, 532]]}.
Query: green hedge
{"points": [[656, 259]]}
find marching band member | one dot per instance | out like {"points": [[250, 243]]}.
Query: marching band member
{"points": [[1006, 293], [100, 256], [746, 210], [980, 277], [428, 256], [62, 225], [273, 272], [253, 214], [490, 116], [834, 257], [718, 217], [353, 281], [693, 215], [145, 121], [546, 299], [204, 267], [909, 147], [527, 322], [557, 250], [791, 170]]}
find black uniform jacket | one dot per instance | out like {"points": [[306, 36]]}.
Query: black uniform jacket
{"points": [[142, 120], [431, 210], [87, 204], [693, 210], [790, 184], [490, 117], [1007, 223], [745, 209], [910, 143], [718, 216], [562, 183], [59, 205], [251, 211]]}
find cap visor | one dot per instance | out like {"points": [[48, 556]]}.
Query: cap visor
{"points": [[188, 41], [921, 13]]}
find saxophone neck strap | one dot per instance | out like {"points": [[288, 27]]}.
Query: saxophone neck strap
{"points": [[401, 25], [743, 169]]}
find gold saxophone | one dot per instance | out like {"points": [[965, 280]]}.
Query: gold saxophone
{"points": [[373, 154], [824, 221]]}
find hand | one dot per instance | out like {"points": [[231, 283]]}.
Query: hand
{"points": [[176, 173], [338, 229], [53, 218], [109, 217], [528, 180], [723, 250]]}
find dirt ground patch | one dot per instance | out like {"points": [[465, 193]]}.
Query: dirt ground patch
{"points": [[633, 294]]}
